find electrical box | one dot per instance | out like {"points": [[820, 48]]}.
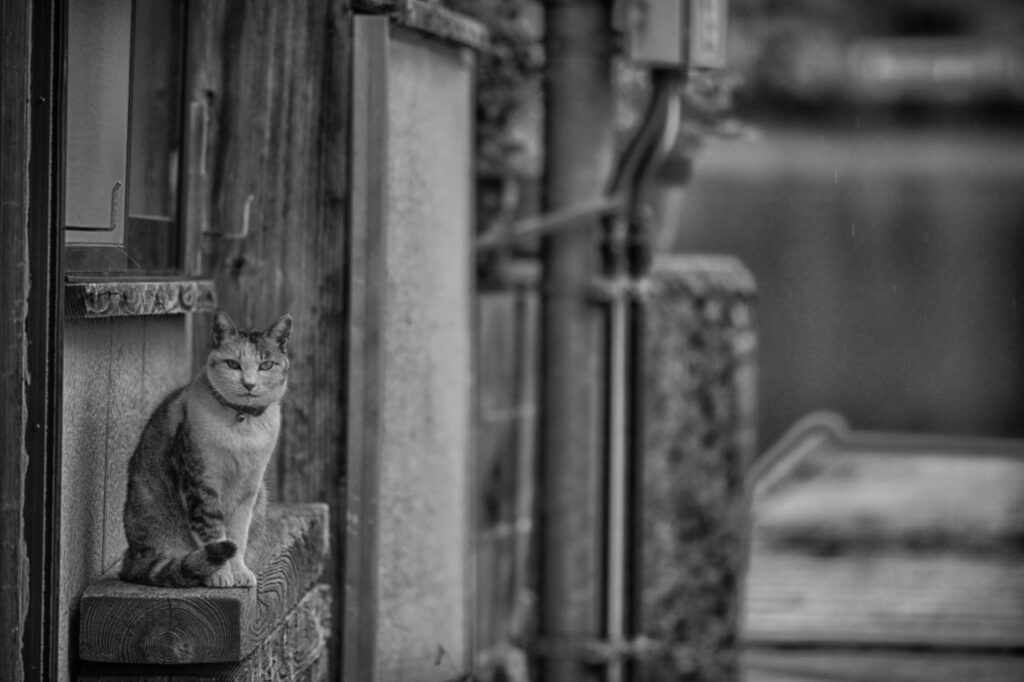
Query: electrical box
{"points": [[683, 34]]}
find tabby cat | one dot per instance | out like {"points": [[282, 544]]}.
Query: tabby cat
{"points": [[196, 494]]}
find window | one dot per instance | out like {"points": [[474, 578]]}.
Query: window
{"points": [[124, 135]]}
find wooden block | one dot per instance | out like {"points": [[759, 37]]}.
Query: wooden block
{"points": [[127, 623], [295, 650]]}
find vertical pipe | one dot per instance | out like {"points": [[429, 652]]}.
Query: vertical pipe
{"points": [[579, 145], [618, 469]]}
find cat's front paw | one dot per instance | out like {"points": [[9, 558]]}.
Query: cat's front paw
{"points": [[223, 577], [243, 576]]}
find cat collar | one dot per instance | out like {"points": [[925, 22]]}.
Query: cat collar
{"points": [[241, 411]]}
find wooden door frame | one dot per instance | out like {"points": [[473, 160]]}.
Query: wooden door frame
{"points": [[367, 304], [45, 337]]}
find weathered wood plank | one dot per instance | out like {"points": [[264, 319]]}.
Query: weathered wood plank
{"points": [[115, 299], [15, 23], [87, 396], [271, 80], [149, 358], [125, 419], [295, 650], [128, 623]]}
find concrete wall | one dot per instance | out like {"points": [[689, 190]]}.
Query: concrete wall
{"points": [[424, 581], [116, 371]]}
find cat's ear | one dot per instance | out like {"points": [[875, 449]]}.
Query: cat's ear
{"points": [[280, 331], [223, 327]]}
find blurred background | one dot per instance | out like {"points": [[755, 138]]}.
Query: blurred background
{"points": [[871, 180]]}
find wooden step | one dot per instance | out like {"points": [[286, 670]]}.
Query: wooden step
{"points": [[127, 623], [296, 650]]}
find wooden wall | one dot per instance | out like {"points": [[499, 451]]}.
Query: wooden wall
{"points": [[116, 371], [270, 79], [273, 77], [30, 309]]}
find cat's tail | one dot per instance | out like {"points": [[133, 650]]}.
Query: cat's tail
{"points": [[188, 570]]}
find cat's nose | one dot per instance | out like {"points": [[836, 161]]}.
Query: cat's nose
{"points": [[249, 385]]}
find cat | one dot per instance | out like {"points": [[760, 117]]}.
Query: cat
{"points": [[196, 494]]}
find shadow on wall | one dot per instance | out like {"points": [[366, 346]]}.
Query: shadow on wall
{"points": [[888, 267]]}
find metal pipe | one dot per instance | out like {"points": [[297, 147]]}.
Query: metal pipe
{"points": [[572, 217], [579, 149], [626, 257]]}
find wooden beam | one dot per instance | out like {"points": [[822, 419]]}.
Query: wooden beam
{"points": [[42, 379], [115, 299], [293, 651], [126, 623]]}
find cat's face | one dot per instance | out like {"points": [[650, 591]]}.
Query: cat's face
{"points": [[249, 368]]}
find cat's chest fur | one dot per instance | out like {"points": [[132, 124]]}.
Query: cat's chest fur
{"points": [[235, 451]]}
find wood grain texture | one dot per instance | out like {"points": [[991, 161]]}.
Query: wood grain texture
{"points": [[295, 650], [273, 81], [268, 72], [14, 286], [125, 417], [87, 396], [128, 623], [116, 371]]}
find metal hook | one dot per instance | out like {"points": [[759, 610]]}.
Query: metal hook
{"points": [[199, 108]]}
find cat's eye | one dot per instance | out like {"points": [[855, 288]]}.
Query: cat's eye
{"points": [[233, 364], [266, 364]]}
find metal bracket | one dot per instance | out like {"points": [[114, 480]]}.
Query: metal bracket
{"points": [[608, 289], [572, 217], [113, 215], [601, 652]]}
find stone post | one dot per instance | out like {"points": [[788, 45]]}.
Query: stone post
{"points": [[699, 438]]}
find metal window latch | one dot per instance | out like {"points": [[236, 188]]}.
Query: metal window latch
{"points": [[241, 233]]}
